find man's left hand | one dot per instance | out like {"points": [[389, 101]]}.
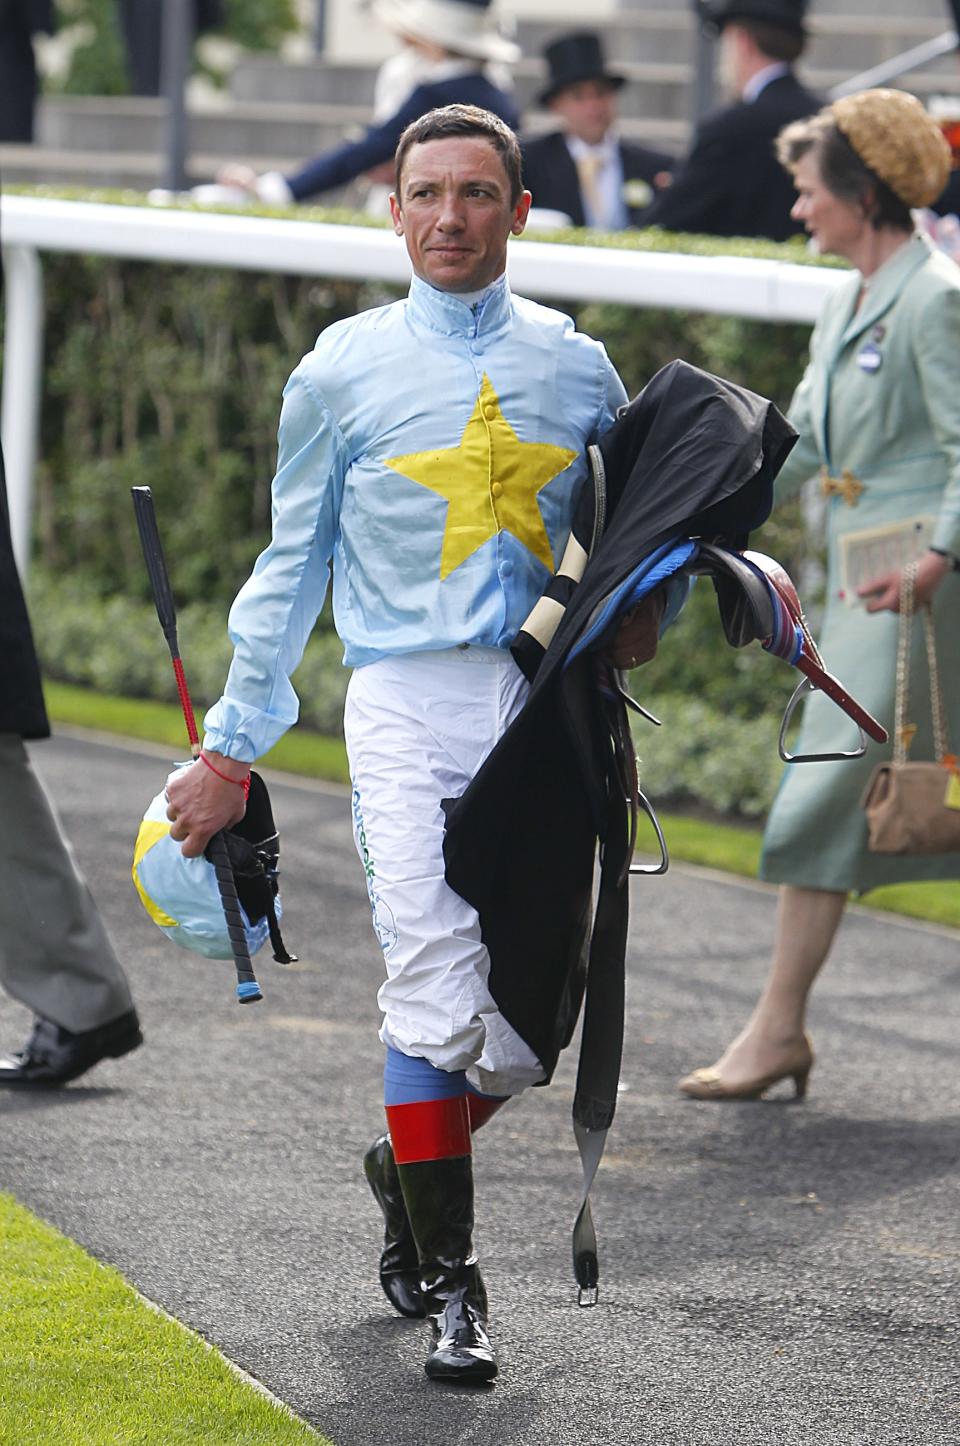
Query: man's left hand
{"points": [[638, 632]]}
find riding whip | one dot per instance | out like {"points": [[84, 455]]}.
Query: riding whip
{"points": [[248, 990]]}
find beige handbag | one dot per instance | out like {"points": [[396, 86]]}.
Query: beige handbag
{"points": [[907, 804]]}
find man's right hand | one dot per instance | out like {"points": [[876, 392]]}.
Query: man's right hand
{"points": [[638, 632], [235, 174], [200, 803]]}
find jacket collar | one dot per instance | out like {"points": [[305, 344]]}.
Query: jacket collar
{"points": [[885, 285], [447, 313]]}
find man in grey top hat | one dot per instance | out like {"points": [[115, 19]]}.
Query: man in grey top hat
{"points": [[584, 169], [732, 183]]}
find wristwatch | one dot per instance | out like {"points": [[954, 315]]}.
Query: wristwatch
{"points": [[951, 557]]}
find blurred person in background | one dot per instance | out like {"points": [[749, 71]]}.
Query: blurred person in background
{"points": [[878, 412], [20, 21], [141, 26], [55, 954], [584, 169], [941, 221], [732, 184], [452, 52]]}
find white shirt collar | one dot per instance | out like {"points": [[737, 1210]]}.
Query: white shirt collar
{"points": [[762, 79], [605, 150]]}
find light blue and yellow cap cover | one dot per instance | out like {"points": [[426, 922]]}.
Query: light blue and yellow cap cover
{"points": [[181, 894]]}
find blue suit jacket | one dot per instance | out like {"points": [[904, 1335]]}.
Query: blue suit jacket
{"points": [[732, 184], [351, 158]]}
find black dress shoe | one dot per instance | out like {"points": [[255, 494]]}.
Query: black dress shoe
{"points": [[53, 1056]]}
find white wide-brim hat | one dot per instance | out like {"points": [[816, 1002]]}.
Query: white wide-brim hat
{"points": [[464, 26]]}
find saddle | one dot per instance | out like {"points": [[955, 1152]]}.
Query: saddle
{"points": [[759, 602]]}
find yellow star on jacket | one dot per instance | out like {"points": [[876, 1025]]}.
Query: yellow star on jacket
{"points": [[490, 480]]}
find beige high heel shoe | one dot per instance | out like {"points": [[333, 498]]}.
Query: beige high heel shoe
{"points": [[706, 1084]]}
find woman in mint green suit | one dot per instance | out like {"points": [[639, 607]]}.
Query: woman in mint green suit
{"points": [[878, 412]]}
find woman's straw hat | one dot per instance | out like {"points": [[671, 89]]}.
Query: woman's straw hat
{"points": [[893, 135]]}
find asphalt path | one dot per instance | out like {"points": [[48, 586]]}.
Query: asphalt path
{"points": [[771, 1273]]}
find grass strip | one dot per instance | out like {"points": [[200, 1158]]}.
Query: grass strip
{"points": [[85, 1361], [732, 848], [297, 752]]}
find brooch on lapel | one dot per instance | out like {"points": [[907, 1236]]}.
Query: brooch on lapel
{"points": [[870, 357]]}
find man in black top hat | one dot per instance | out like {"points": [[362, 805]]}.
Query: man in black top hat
{"points": [[584, 169], [732, 183]]}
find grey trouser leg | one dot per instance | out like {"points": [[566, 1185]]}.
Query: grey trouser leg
{"points": [[55, 955]]}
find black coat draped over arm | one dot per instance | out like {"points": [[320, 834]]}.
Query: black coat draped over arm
{"points": [[692, 456]]}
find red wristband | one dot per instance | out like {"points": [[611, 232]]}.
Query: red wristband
{"points": [[243, 783]]}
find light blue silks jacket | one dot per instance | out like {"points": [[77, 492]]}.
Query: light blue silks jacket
{"points": [[512, 392], [880, 398]]}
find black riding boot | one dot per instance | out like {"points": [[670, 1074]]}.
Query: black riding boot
{"points": [[439, 1199], [399, 1262]]}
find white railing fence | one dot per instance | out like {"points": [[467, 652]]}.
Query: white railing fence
{"points": [[765, 290]]}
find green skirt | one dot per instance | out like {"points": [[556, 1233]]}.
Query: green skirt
{"points": [[816, 834]]}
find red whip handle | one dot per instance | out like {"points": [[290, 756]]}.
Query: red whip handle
{"points": [[187, 706]]}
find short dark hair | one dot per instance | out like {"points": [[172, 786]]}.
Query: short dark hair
{"points": [[773, 40], [841, 169], [464, 120]]}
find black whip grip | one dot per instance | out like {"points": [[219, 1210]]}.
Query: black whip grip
{"points": [[248, 989], [156, 565]]}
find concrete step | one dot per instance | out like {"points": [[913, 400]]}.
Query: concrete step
{"points": [[141, 170], [131, 123], [879, 9], [865, 38], [269, 81], [931, 80], [278, 114], [266, 79], [115, 125], [658, 74], [125, 170], [818, 9], [138, 170], [857, 43], [648, 38]]}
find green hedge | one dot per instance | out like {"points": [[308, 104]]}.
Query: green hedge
{"points": [[172, 376]]}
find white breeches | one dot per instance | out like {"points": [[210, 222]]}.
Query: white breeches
{"points": [[418, 726]]}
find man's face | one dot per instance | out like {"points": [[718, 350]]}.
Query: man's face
{"points": [[587, 109], [737, 60], [455, 214]]}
